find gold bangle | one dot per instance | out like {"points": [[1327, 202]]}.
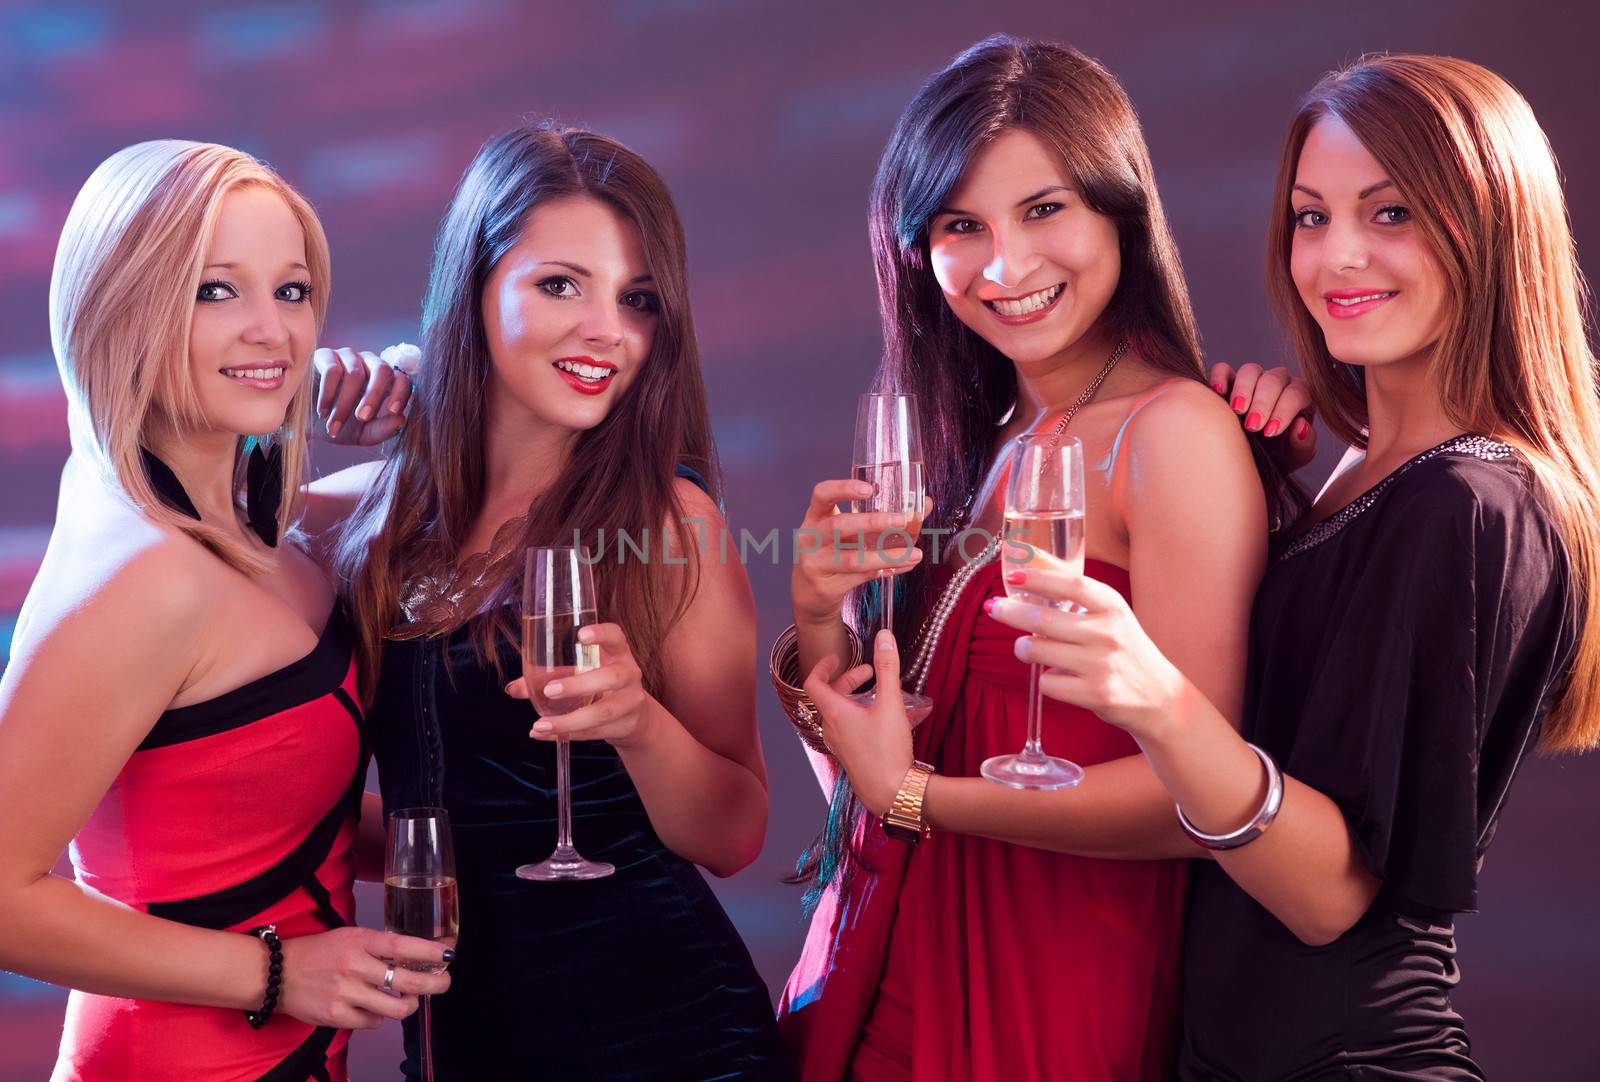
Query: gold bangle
{"points": [[784, 663]]}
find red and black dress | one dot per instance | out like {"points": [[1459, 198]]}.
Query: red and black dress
{"points": [[235, 812]]}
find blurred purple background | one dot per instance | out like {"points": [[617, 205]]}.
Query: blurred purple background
{"points": [[767, 121]]}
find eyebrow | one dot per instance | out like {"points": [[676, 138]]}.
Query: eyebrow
{"points": [[584, 272], [1035, 197], [235, 266], [1362, 194]]}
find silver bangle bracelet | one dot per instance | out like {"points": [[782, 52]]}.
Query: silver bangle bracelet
{"points": [[1257, 826]]}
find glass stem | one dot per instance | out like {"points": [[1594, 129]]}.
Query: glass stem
{"points": [[1033, 749], [563, 796], [887, 583], [427, 1039]]}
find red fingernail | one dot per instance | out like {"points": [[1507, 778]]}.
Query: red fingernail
{"points": [[988, 606], [333, 429], [1220, 388], [1301, 429], [1239, 403], [1272, 428], [1016, 578], [1253, 421]]}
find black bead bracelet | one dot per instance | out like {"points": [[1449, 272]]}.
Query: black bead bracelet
{"points": [[268, 934]]}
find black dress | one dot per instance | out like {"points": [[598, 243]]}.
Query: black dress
{"points": [[1403, 654], [639, 975]]}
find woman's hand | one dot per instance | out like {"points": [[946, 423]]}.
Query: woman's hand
{"points": [[1098, 658], [1273, 403], [617, 707], [336, 978], [873, 745], [361, 397], [838, 551]]}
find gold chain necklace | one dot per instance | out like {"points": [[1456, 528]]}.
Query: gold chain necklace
{"points": [[1088, 392], [933, 627]]}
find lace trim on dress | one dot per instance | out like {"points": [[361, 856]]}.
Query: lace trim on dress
{"points": [[1481, 447]]}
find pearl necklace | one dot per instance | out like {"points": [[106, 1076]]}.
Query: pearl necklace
{"points": [[933, 627]]}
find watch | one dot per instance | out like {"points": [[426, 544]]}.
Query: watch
{"points": [[904, 821]]}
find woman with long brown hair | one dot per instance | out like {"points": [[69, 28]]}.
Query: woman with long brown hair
{"points": [[561, 397], [1435, 621], [1028, 282]]}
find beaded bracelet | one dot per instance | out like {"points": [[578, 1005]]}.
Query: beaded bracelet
{"points": [[268, 934]]}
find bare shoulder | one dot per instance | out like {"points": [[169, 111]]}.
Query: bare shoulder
{"points": [[1186, 448], [331, 499], [113, 558], [1177, 410], [694, 502], [118, 595], [721, 580]]}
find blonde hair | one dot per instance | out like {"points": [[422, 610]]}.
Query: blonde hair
{"points": [[1514, 360], [122, 299]]}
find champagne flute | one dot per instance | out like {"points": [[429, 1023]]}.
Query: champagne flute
{"points": [[419, 892], [1044, 528], [558, 599], [888, 455]]}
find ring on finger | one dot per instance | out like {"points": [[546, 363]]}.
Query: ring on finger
{"points": [[388, 979]]}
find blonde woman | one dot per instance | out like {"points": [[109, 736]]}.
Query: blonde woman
{"points": [[1432, 624], [179, 703]]}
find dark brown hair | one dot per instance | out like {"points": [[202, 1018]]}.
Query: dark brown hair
{"points": [[1514, 361], [410, 526], [964, 385]]}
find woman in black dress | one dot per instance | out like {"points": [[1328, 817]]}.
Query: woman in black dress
{"points": [[561, 395], [1431, 624]]}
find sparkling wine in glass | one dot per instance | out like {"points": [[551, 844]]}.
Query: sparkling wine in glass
{"points": [[558, 600], [1044, 528], [419, 892], [888, 455]]}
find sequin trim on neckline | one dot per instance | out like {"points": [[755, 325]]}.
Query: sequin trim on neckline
{"points": [[1480, 447]]}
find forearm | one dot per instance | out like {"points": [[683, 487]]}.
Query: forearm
{"points": [[705, 807], [1119, 812], [54, 930], [1305, 869], [816, 641]]}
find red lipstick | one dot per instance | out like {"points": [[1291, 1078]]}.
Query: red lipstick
{"points": [[580, 383]]}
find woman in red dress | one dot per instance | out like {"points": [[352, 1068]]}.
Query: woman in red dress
{"points": [[1028, 282], [179, 700]]}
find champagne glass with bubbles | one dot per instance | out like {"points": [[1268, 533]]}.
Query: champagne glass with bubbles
{"points": [[558, 599], [1044, 529], [419, 892], [888, 455]]}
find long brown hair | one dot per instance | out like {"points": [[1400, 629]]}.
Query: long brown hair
{"points": [[1513, 360], [411, 525], [964, 385]]}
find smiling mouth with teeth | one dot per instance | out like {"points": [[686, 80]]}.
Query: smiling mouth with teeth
{"points": [[1346, 302], [589, 373], [1022, 306], [253, 373]]}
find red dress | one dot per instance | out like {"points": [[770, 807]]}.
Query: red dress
{"points": [[964, 958], [233, 813]]}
